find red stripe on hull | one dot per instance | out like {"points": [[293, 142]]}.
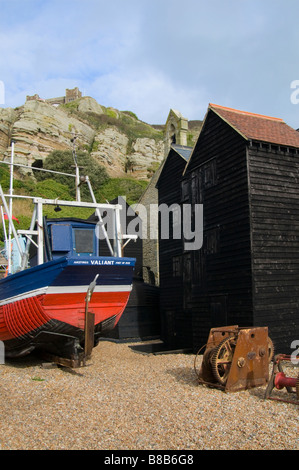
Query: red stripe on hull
{"points": [[70, 308], [26, 315], [21, 317]]}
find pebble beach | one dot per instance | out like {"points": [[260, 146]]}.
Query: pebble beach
{"points": [[125, 400]]}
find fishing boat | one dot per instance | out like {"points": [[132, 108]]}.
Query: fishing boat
{"points": [[59, 296]]}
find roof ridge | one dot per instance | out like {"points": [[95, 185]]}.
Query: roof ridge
{"points": [[246, 113]]}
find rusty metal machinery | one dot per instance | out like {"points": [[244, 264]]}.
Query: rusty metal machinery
{"points": [[236, 358], [279, 380]]}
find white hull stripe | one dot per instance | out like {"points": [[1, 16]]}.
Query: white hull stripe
{"points": [[26, 295], [83, 289], [65, 290]]}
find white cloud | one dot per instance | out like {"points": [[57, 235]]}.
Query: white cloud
{"points": [[149, 94], [150, 56]]}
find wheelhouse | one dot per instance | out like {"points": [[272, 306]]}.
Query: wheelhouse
{"points": [[71, 238]]}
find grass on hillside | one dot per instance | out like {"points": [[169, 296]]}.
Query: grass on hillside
{"points": [[125, 121]]}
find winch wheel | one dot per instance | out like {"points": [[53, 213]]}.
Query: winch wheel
{"points": [[270, 349], [221, 359]]}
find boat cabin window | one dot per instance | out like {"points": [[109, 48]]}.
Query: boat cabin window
{"points": [[72, 240], [84, 241]]}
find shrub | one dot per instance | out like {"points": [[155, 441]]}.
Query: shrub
{"points": [[63, 161], [129, 187]]}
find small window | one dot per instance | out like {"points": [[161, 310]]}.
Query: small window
{"points": [[212, 241], [196, 187], [185, 190], [177, 266], [187, 272], [197, 268], [83, 240], [209, 176], [218, 310]]}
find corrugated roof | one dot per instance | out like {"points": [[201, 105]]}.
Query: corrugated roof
{"points": [[258, 127]]}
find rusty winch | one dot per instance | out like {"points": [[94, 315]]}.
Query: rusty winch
{"points": [[236, 358], [279, 380]]}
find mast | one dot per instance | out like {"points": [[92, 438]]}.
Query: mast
{"points": [[98, 212], [9, 249], [78, 195], [37, 217]]}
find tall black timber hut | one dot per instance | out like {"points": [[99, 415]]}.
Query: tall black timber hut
{"points": [[244, 170]]}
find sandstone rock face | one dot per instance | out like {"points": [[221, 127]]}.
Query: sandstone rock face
{"points": [[7, 117], [41, 128], [149, 148], [38, 128], [147, 154], [110, 150], [90, 105]]}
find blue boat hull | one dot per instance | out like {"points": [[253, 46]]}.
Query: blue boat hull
{"points": [[43, 307]]}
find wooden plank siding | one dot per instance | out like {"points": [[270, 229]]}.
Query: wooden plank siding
{"points": [[175, 325], [223, 294], [247, 271], [274, 197]]}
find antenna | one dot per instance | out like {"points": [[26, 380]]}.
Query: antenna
{"points": [[8, 248], [78, 195]]}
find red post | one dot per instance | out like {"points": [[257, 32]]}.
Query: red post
{"points": [[282, 381]]}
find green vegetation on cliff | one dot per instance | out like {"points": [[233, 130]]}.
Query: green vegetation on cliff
{"points": [[125, 121], [54, 186]]}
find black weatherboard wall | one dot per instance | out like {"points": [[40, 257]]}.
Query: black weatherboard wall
{"points": [[244, 170], [176, 319], [274, 201], [221, 283]]}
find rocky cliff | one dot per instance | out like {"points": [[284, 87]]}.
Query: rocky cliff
{"points": [[118, 140]]}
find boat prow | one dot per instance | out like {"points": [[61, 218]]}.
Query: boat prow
{"points": [[61, 295], [44, 307]]}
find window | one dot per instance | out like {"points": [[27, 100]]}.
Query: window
{"points": [[197, 268], [185, 190], [218, 310], [211, 241], [177, 266], [83, 240], [196, 187], [187, 273], [209, 177]]}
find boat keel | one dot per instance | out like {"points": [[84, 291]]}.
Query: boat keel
{"points": [[62, 349]]}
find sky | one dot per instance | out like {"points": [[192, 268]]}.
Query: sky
{"points": [[150, 56]]}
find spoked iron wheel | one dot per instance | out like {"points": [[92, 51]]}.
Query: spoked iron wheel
{"points": [[222, 359], [270, 349]]}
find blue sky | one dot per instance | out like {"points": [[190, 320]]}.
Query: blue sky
{"points": [[148, 56]]}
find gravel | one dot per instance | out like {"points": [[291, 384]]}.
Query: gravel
{"points": [[124, 400]]}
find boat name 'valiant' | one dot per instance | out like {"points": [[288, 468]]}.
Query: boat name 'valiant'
{"points": [[102, 262]]}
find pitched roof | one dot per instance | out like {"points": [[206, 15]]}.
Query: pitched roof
{"points": [[182, 150], [258, 127]]}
